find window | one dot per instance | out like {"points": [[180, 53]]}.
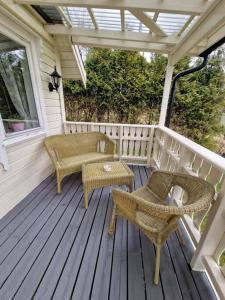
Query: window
{"points": [[17, 102]]}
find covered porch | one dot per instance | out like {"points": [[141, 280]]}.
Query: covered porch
{"points": [[52, 248]]}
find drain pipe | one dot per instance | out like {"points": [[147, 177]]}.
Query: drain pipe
{"points": [[204, 55], [174, 85]]}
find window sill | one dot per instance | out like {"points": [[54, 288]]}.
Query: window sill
{"points": [[14, 140]]}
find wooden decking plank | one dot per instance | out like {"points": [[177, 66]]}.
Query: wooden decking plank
{"points": [[202, 283], [69, 274], [47, 219], [14, 222], [184, 277], [101, 282], [67, 252], [136, 280], [15, 212], [152, 291], [32, 252], [26, 225], [171, 289], [38, 269], [118, 285], [49, 281], [82, 288]]}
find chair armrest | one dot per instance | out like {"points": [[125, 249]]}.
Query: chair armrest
{"points": [[123, 199], [53, 157], [110, 145]]}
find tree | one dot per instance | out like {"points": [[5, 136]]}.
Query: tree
{"points": [[123, 87], [199, 102]]}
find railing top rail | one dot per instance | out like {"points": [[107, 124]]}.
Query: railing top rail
{"points": [[110, 124], [206, 154]]}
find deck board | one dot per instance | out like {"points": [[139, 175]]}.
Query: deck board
{"points": [[53, 248]]}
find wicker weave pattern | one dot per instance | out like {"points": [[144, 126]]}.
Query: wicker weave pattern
{"points": [[69, 152], [148, 209], [94, 176]]}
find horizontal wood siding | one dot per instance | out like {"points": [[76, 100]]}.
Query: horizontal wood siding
{"points": [[29, 163]]}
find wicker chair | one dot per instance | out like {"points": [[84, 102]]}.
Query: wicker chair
{"points": [[149, 209], [69, 152]]}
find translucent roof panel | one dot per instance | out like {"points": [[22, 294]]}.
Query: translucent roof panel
{"points": [[78, 16], [49, 13], [133, 24], [171, 23], [107, 18]]}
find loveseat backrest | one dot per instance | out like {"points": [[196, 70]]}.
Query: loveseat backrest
{"points": [[66, 145]]}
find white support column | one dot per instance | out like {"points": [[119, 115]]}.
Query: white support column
{"points": [[166, 91]]}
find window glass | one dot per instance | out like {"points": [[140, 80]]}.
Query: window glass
{"points": [[17, 104]]}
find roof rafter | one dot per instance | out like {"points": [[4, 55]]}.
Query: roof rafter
{"points": [[110, 34], [194, 7], [122, 19], [92, 16], [64, 16], [201, 29], [147, 21]]}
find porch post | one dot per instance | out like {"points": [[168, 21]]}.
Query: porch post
{"points": [[166, 91]]}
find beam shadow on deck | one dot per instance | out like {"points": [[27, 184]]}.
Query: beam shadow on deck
{"points": [[52, 248]]}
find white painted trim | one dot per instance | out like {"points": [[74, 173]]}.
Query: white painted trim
{"points": [[148, 22], [32, 45], [22, 17], [207, 24], [111, 34], [166, 92], [213, 158], [92, 16], [194, 7], [117, 44]]}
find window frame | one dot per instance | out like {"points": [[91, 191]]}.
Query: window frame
{"points": [[31, 46]]}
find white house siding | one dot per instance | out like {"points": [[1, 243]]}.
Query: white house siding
{"points": [[29, 163]]}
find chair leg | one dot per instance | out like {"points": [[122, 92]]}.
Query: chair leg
{"points": [[157, 263], [113, 221], [59, 190]]}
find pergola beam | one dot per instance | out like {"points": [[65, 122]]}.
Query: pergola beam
{"points": [[147, 21], [202, 29], [120, 44], [110, 34], [194, 7]]}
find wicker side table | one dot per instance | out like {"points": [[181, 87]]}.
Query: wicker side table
{"points": [[94, 177]]}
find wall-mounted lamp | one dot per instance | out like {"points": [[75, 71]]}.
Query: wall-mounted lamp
{"points": [[55, 78]]}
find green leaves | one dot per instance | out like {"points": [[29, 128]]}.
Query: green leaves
{"points": [[123, 87]]}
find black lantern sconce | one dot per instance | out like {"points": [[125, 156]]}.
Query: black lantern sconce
{"points": [[55, 78]]}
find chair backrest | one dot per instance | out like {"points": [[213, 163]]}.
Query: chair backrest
{"points": [[66, 145], [200, 193]]}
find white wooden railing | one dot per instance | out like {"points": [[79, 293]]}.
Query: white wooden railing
{"points": [[134, 142], [165, 149], [174, 152]]}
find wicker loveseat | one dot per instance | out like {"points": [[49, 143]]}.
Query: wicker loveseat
{"points": [[69, 152]]}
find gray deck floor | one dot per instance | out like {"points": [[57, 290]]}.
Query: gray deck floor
{"points": [[52, 248]]}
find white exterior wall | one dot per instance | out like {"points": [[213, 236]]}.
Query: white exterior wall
{"points": [[28, 161]]}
